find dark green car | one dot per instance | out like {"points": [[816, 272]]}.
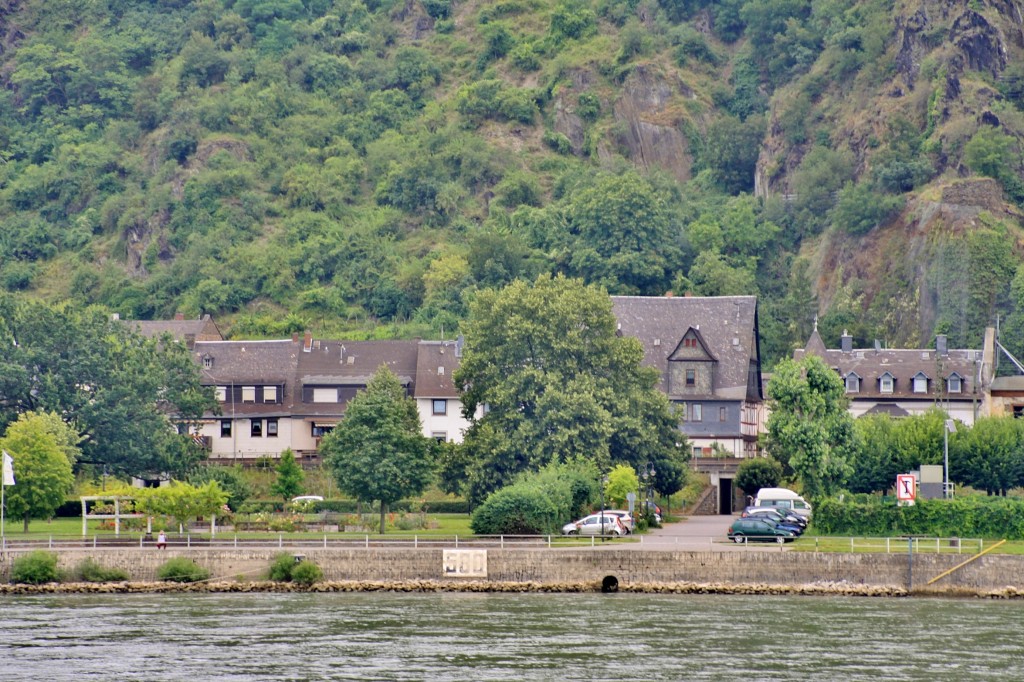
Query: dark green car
{"points": [[751, 529]]}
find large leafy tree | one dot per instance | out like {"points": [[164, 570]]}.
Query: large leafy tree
{"points": [[559, 386], [809, 428], [120, 391], [42, 471], [989, 456], [378, 452]]}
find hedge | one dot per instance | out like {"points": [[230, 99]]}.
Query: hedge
{"points": [[352, 507], [973, 516]]}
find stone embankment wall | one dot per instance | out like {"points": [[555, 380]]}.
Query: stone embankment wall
{"points": [[575, 567]]}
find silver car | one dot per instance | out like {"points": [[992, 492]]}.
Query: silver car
{"points": [[592, 525], [625, 517]]}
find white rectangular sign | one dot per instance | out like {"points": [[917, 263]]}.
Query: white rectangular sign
{"points": [[465, 563], [906, 488]]}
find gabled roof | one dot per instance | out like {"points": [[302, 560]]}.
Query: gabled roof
{"points": [[903, 365], [890, 409], [695, 331], [189, 331], [347, 363], [435, 363], [727, 325], [250, 363]]}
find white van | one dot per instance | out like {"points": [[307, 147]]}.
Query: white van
{"points": [[782, 497]]}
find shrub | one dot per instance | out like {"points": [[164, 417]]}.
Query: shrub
{"points": [[35, 568], [515, 510], [306, 573], [971, 516], [182, 570], [558, 142], [282, 567], [90, 571]]}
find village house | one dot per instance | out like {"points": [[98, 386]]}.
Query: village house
{"points": [[902, 382]]}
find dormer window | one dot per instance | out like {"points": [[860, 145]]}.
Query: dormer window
{"points": [[955, 383], [920, 383], [885, 383], [270, 394], [207, 362], [852, 383]]}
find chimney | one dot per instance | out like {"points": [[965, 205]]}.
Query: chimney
{"points": [[669, 294], [307, 342], [179, 316], [688, 294], [295, 337], [846, 342], [940, 345]]}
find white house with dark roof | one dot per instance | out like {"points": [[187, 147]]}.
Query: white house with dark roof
{"points": [[707, 352], [902, 382], [437, 399]]}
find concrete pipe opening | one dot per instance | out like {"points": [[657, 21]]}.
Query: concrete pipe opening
{"points": [[610, 584]]}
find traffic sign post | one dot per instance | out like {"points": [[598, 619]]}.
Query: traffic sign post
{"points": [[906, 489]]}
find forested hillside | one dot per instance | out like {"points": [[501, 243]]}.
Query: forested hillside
{"points": [[361, 167]]}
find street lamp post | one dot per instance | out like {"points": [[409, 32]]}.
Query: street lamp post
{"points": [[948, 428], [649, 474], [604, 483]]}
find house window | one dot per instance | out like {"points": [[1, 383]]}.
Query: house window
{"points": [[321, 430], [225, 428], [722, 413], [691, 377], [325, 395], [271, 428], [920, 383], [440, 406], [207, 362], [954, 384], [256, 428], [852, 383], [695, 412], [439, 436], [697, 451], [270, 394], [248, 394], [222, 394], [885, 383]]}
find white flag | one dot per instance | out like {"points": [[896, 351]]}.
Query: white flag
{"points": [[8, 468]]}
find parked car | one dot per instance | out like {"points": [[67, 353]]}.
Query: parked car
{"points": [[783, 498], [753, 529], [779, 516], [307, 498], [624, 517], [592, 525]]}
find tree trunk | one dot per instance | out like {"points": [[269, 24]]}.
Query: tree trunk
{"points": [[26, 523], [383, 512]]}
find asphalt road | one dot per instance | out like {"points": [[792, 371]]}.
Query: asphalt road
{"points": [[694, 534]]}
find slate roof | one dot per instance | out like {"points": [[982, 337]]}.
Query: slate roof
{"points": [[903, 364], [435, 362], [349, 365], [727, 325], [249, 363], [189, 331]]}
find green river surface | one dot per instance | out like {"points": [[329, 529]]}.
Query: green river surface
{"points": [[467, 636]]}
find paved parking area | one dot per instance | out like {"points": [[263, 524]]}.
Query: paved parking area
{"points": [[694, 534]]}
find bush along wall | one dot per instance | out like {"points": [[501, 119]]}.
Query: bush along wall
{"points": [[974, 516]]}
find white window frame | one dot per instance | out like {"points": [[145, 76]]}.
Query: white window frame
{"points": [[248, 394], [270, 394], [959, 384], [920, 383], [852, 383], [222, 394], [886, 383]]}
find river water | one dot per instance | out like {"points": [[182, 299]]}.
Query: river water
{"points": [[464, 636]]}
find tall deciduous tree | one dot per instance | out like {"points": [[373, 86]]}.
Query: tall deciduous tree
{"points": [[116, 388], [559, 385], [41, 470], [989, 456], [809, 428], [759, 472], [378, 451]]}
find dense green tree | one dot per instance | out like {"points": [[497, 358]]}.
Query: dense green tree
{"points": [[558, 385], [759, 472], [230, 479], [874, 467], [378, 452], [809, 428], [42, 472], [115, 387], [988, 456], [290, 476]]}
